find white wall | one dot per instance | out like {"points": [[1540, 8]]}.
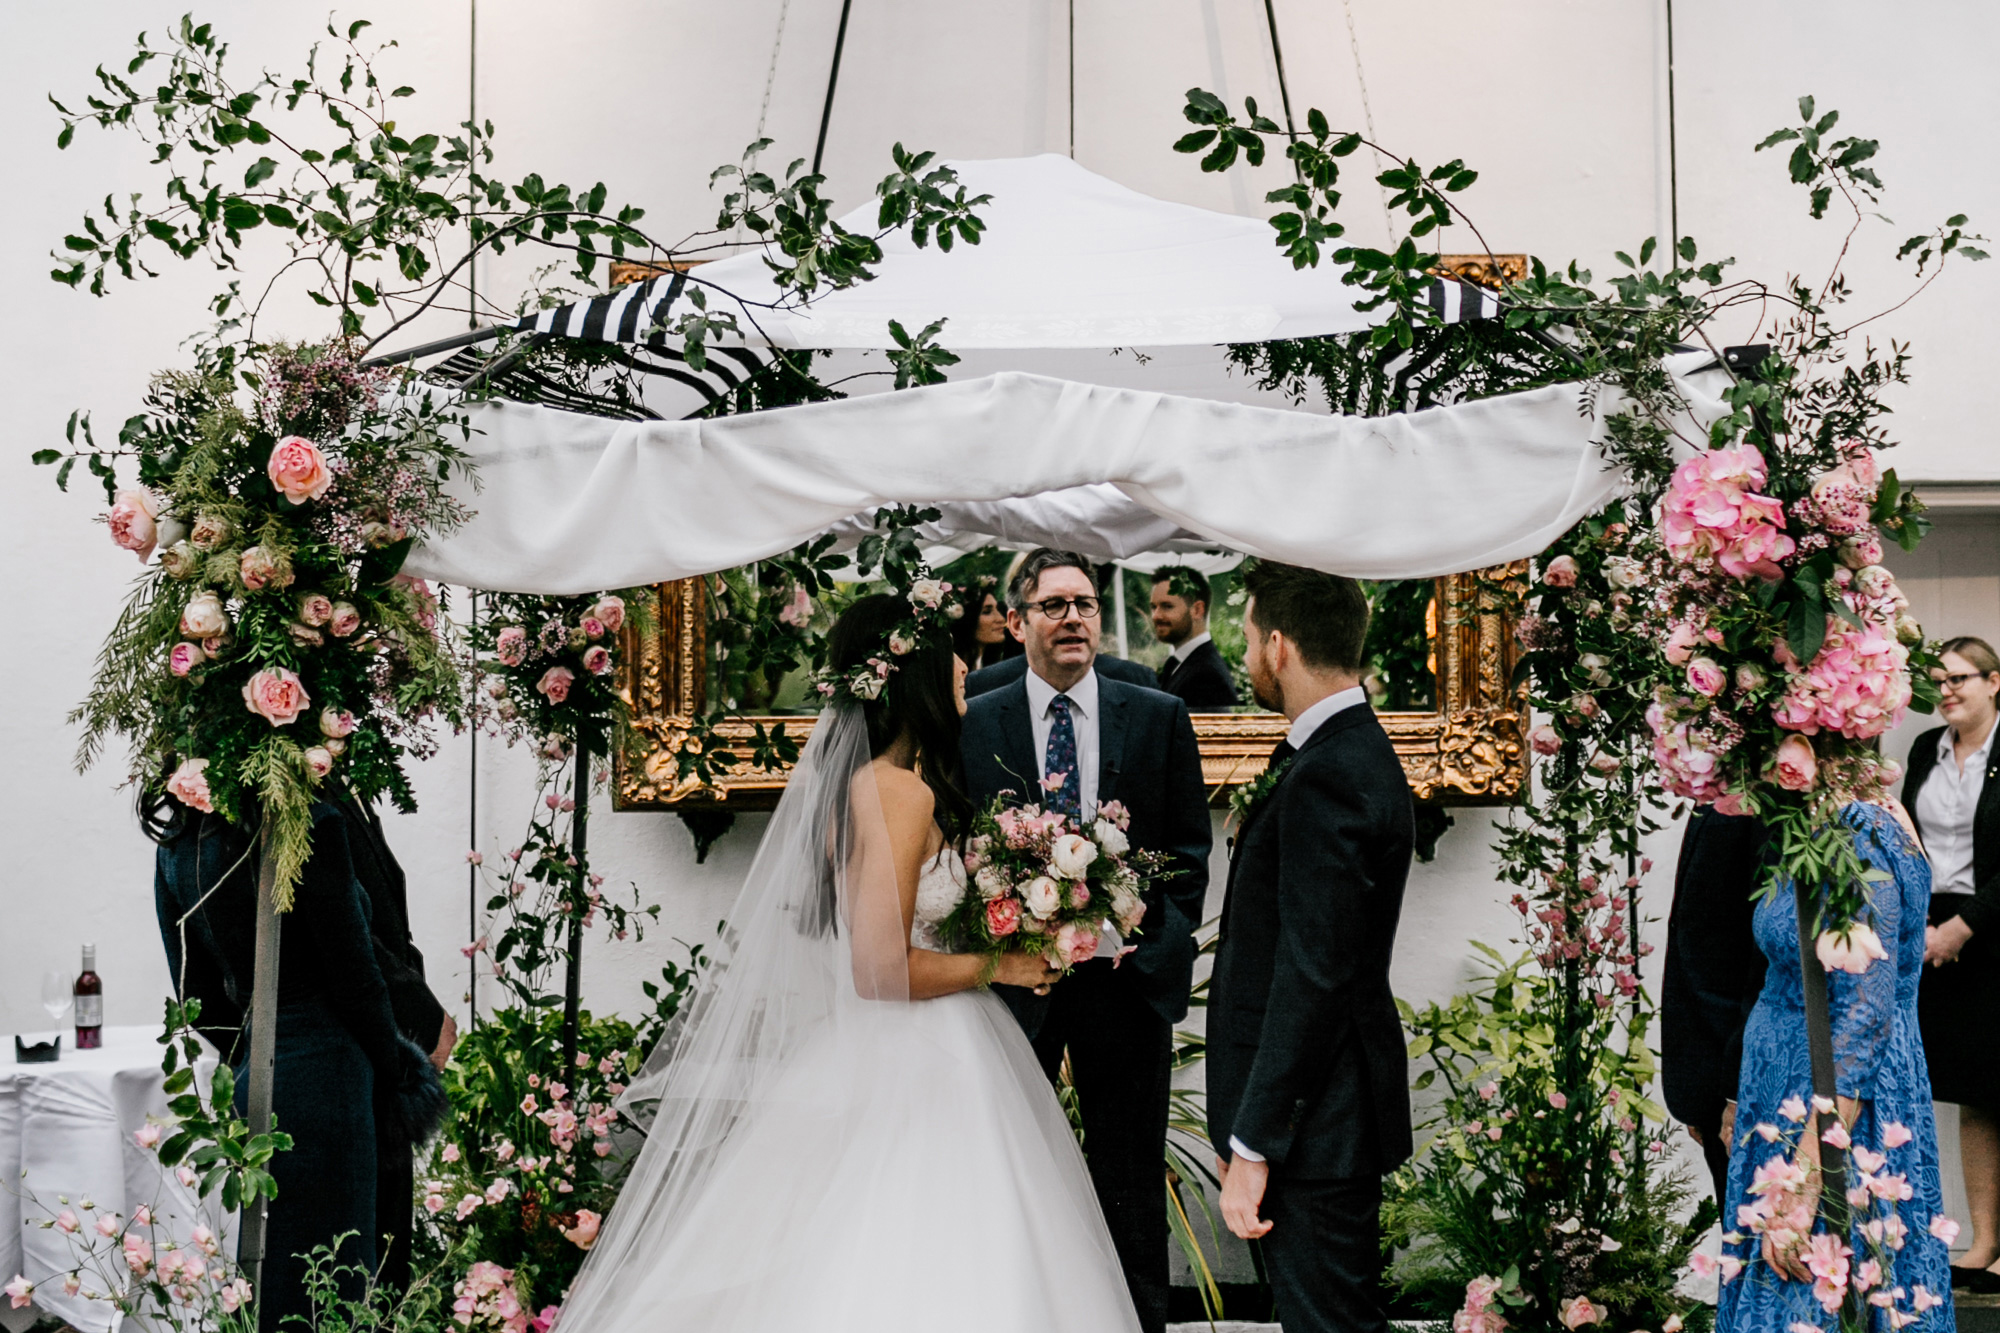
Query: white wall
{"points": [[1559, 103]]}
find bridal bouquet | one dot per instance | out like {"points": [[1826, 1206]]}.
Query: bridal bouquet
{"points": [[1036, 880]]}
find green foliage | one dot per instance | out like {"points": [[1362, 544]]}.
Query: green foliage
{"points": [[207, 1134], [424, 1308]]}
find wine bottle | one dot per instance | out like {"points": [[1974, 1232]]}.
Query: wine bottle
{"points": [[89, 993]]}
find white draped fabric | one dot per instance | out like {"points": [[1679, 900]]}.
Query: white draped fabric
{"points": [[1068, 259], [568, 503]]}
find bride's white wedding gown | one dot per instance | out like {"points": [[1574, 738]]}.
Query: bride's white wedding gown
{"points": [[909, 1169]]}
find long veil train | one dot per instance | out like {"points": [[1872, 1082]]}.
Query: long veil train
{"points": [[825, 1153]]}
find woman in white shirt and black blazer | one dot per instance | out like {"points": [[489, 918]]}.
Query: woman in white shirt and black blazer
{"points": [[1953, 793]]}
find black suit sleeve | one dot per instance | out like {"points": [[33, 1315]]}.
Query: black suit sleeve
{"points": [[331, 912], [1191, 832], [1326, 887], [417, 1010]]}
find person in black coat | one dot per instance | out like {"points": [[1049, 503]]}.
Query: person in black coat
{"points": [[1194, 671], [347, 1077], [1711, 977], [1114, 1016], [1014, 670], [1308, 1096]]}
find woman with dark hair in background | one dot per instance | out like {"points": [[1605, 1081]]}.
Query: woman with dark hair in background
{"points": [[980, 636], [350, 1086], [851, 1135], [1951, 794]]}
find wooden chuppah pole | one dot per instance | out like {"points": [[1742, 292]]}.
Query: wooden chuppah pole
{"points": [[573, 972], [263, 1046]]}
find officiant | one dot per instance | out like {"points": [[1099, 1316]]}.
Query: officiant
{"points": [[1069, 737]]}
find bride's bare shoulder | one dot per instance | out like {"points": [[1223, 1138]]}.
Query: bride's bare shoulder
{"points": [[903, 794]]}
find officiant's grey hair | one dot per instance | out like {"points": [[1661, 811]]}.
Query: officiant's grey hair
{"points": [[1039, 562]]}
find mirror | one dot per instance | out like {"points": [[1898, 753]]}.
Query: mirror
{"points": [[1441, 655]]}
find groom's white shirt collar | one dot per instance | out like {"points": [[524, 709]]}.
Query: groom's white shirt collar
{"points": [[1180, 653], [1315, 717]]}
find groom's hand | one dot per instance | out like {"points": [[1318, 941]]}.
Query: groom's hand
{"points": [[1243, 1183]]}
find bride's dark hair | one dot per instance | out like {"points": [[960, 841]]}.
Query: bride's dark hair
{"points": [[920, 697]]}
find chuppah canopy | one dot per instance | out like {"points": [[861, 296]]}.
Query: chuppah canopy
{"points": [[568, 503]]}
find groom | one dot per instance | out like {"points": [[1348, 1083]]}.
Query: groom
{"points": [[1109, 741], [1307, 1083]]}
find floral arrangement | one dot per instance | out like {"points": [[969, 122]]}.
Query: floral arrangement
{"points": [[1787, 649], [932, 608], [271, 646], [547, 666], [1036, 881], [1248, 796], [1786, 1190]]}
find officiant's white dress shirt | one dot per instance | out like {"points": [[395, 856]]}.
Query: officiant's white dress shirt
{"points": [[1083, 714], [1303, 727]]}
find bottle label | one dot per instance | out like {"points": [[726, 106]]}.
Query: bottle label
{"points": [[89, 1011]]}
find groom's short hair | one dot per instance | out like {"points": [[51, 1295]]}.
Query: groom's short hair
{"points": [[1324, 616], [1039, 562]]}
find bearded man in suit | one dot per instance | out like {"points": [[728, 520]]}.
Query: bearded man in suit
{"points": [[1308, 1097], [1070, 738], [1194, 671]]}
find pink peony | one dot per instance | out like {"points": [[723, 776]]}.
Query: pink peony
{"points": [[597, 660], [1077, 941], [610, 612], [1545, 740], [185, 657], [1705, 677], [298, 469], [189, 786], [344, 620], [276, 695], [133, 522], [1851, 950], [1560, 572], [1713, 513], [511, 646], [319, 761], [584, 1234], [1003, 917], [555, 682], [203, 617], [336, 723], [1794, 767]]}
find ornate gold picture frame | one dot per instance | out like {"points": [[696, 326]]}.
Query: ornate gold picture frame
{"points": [[1470, 751]]}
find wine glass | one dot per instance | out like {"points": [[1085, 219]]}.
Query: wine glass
{"points": [[56, 996]]}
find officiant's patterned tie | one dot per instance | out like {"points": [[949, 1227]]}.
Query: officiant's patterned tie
{"points": [[1061, 758]]}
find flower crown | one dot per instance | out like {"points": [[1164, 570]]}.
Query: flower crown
{"points": [[932, 608]]}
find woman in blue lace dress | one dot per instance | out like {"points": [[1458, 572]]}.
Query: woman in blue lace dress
{"points": [[1884, 1099]]}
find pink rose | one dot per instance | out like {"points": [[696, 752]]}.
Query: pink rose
{"points": [[298, 470], [593, 628], [1561, 572], [189, 785], [1735, 803], [1849, 951], [1606, 763], [511, 646], [1861, 550], [1704, 676], [259, 568], [1680, 644], [315, 609], [336, 722], [276, 695], [555, 682], [1794, 767], [203, 617], [610, 611], [1077, 941], [1545, 740], [597, 659], [1581, 1310], [584, 1234], [319, 760], [344, 620], [132, 522], [185, 658], [1003, 917]]}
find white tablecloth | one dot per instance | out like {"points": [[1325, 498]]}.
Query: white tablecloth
{"points": [[66, 1130]]}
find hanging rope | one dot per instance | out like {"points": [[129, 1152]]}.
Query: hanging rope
{"points": [[1367, 112], [1278, 58], [764, 107], [832, 79]]}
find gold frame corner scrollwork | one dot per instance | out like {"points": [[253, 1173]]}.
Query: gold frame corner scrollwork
{"points": [[1471, 750]]}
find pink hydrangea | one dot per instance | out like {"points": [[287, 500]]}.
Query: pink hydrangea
{"points": [[1714, 512], [1857, 685]]}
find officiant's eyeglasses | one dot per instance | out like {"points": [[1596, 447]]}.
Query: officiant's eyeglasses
{"points": [[1057, 608]]}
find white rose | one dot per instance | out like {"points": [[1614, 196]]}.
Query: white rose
{"points": [[1128, 907], [204, 617], [1041, 895], [1071, 855], [1595, 666], [1622, 571], [937, 895], [928, 592], [990, 882], [866, 685], [1110, 837]]}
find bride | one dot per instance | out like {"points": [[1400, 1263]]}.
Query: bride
{"points": [[849, 1132]]}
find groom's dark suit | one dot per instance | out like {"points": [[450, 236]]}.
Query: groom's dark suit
{"points": [[1306, 1063], [1117, 1023]]}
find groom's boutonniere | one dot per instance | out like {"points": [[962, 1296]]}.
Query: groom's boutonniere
{"points": [[1243, 802]]}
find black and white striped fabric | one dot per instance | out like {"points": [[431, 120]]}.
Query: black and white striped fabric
{"points": [[635, 313], [1459, 302]]}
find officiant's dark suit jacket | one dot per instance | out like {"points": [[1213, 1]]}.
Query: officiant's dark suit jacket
{"points": [[1202, 682], [1015, 670], [1306, 1056], [1149, 761]]}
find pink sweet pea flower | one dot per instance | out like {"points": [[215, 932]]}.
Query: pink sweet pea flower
{"points": [[1944, 1228], [1852, 950], [20, 1292], [1895, 1135]]}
